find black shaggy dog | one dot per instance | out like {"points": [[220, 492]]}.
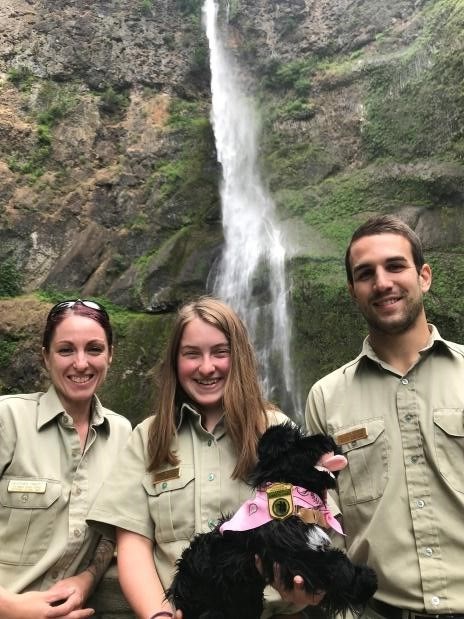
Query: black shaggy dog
{"points": [[284, 524]]}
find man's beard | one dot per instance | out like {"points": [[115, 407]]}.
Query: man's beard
{"points": [[401, 324]]}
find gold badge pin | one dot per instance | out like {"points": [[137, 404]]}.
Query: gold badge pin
{"points": [[280, 501]]}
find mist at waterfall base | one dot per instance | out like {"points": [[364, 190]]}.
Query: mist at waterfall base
{"points": [[251, 273]]}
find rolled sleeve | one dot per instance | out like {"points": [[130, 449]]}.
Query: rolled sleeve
{"points": [[122, 501]]}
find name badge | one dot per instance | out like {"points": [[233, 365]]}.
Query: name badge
{"points": [[167, 475], [27, 485], [351, 437]]}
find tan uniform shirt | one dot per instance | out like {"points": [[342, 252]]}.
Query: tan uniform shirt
{"points": [[186, 500], [402, 494], [47, 486]]}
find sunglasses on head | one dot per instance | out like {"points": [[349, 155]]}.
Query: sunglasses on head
{"points": [[64, 305]]}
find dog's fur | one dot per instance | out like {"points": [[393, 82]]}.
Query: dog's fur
{"points": [[217, 577]]}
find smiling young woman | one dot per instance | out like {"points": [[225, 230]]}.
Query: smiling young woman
{"points": [[188, 464], [203, 365], [55, 450]]}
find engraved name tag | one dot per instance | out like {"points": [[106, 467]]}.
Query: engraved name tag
{"points": [[350, 437], [167, 475], [27, 485]]}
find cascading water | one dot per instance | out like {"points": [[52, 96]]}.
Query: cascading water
{"points": [[251, 275]]}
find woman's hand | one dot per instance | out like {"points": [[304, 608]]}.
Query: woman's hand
{"points": [[68, 597], [40, 605], [70, 593]]}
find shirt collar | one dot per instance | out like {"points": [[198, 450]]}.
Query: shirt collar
{"points": [[189, 412], [50, 407], [435, 339], [185, 412]]}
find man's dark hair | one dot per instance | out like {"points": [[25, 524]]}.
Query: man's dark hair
{"points": [[386, 224]]}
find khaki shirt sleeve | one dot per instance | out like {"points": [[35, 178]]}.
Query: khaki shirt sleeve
{"points": [[122, 501], [7, 442], [315, 411]]}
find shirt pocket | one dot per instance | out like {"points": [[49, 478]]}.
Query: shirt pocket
{"points": [[27, 519], [365, 477], [172, 505], [449, 444]]}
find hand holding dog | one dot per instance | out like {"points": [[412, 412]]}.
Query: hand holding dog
{"points": [[298, 596]]}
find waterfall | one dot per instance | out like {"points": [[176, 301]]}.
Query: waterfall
{"points": [[251, 275]]}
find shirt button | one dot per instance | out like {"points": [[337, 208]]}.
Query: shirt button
{"points": [[77, 533], [429, 552], [408, 418], [435, 600], [78, 491], [164, 485], [420, 503], [414, 459], [209, 442], [211, 476], [24, 498], [405, 381]]}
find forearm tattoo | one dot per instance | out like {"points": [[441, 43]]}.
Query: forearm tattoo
{"points": [[101, 559]]}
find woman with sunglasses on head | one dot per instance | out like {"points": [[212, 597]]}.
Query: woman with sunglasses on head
{"points": [[55, 450], [187, 465]]}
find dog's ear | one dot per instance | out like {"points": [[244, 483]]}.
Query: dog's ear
{"points": [[278, 441]]}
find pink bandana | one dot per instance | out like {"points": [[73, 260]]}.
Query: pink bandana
{"points": [[277, 501]]}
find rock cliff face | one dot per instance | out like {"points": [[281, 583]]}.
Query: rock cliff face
{"points": [[85, 106], [109, 180]]}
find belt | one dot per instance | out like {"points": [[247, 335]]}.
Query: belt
{"points": [[392, 612]]}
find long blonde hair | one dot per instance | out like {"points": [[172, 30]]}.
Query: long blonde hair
{"points": [[244, 405]]}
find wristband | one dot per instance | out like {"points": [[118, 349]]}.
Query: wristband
{"points": [[162, 613]]}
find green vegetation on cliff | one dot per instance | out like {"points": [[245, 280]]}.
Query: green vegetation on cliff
{"points": [[10, 279], [185, 177], [46, 103], [414, 107]]}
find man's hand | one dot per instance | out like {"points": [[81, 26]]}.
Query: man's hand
{"points": [[298, 596]]}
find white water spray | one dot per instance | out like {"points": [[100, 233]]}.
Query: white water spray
{"points": [[251, 276]]}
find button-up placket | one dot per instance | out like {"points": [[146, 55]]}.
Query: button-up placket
{"points": [[78, 499], [425, 525]]}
